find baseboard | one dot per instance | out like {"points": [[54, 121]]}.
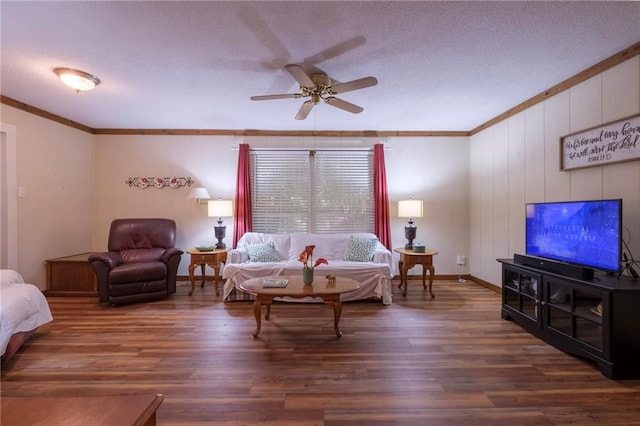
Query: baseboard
{"points": [[441, 277], [486, 284]]}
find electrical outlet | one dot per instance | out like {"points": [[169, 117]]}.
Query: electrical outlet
{"points": [[461, 259]]}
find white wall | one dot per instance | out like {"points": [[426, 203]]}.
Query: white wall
{"points": [[209, 161], [55, 166], [517, 161], [432, 169], [75, 185], [435, 170]]}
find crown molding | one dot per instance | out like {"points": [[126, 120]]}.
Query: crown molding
{"points": [[44, 114], [298, 133]]}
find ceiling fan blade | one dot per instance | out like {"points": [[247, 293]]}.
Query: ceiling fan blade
{"points": [[347, 106], [285, 96], [305, 109], [298, 73], [360, 83]]}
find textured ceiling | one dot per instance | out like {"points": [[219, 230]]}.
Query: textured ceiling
{"points": [[194, 65]]}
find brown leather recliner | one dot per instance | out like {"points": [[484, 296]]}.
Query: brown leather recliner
{"points": [[141, 264]]}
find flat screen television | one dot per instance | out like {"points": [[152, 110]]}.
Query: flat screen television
{"points": [[585, 233]]}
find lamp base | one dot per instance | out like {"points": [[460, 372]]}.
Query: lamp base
{"points": [[409, 234], [220, 232]]}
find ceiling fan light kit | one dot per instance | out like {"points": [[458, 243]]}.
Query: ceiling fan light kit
{"points": [[317, 87], [79, 81]]}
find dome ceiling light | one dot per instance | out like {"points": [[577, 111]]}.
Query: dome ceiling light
{"points": [[79, 81]]}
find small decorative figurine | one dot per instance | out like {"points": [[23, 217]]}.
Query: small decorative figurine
{"points": [[331, 279]]}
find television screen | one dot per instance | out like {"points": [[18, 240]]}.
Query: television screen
{"points": [[587, 233]]}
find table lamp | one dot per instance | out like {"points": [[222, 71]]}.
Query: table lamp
{"points": [[220, 208], [410, 208]]}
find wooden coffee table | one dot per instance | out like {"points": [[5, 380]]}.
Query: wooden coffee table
{"points": [[329, 293]]}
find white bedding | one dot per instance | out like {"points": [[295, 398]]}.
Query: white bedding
{"points": [[23, 307]]}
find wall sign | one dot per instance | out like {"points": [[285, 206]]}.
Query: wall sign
{"points": [[610, 143]]}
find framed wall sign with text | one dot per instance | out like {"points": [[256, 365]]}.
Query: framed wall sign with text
{"points": [[609, 143]]}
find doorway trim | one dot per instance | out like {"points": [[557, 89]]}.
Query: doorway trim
{"points": [[9, 201]]}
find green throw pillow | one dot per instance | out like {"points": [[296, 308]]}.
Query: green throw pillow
{"points": [[360, 249], [262, 252]]}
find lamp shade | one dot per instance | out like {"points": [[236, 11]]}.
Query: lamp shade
{"points": [[410, 208], [201, 193], [220, 208]]}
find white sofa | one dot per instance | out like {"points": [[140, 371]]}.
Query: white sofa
{"points": [[374, 275]]}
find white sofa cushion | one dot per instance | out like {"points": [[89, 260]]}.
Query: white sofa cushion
{"points": [[281, 244], [328, 246], [360, 249], [264, 252]]}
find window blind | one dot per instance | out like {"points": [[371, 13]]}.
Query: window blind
{"points": [[342, 192], [280, 184], [317, 191]]}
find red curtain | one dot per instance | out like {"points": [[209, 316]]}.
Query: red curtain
{"points": [[382, 224], [242, 219]]}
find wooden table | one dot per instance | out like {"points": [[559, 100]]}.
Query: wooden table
{"points": [[201, 258], [409, 259], [329, 293], [109, 410], [71, 276]]}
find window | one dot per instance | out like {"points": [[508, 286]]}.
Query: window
{"points": [[312, 191]]}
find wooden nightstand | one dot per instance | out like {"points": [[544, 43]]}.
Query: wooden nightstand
{"points": [[409, 259], [211, 258]]}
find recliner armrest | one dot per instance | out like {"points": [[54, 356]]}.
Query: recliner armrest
{"points": [[169, 253], [110, 258]]}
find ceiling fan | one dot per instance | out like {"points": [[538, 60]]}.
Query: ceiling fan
{"points": [[318, 86]]}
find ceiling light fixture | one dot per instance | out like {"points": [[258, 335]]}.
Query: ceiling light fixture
{"points": [[79, 81]]}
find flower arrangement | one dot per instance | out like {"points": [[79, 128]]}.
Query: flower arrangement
{"points": [[306, 257]]}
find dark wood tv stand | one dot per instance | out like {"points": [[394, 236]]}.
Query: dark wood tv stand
{"points": [[596, 319]]}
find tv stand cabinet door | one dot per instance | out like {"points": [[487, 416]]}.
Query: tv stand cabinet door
{"points": [[579, 316], [521, 296]]}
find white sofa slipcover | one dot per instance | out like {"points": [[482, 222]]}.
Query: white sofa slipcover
{"points": [[374, 276]]}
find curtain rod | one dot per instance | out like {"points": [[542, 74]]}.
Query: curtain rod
{"points": [[236, 148]]}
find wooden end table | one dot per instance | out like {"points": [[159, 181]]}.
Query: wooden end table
{"points": [[329, 293], [201, 258], [71, 276], [409, 259]]}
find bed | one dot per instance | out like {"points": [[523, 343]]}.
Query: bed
{"points": [[23, 308]]}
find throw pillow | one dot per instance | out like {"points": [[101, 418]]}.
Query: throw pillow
{"points": [[262, 252], [360, 249]]}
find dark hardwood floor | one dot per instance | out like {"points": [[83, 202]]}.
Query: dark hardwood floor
{"points": [[447, 361]]}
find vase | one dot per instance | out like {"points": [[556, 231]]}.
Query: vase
{"points": [[307, 276]]}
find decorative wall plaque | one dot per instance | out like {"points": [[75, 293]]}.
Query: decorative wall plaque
{"points": [[159, 182], [610, 143]]}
